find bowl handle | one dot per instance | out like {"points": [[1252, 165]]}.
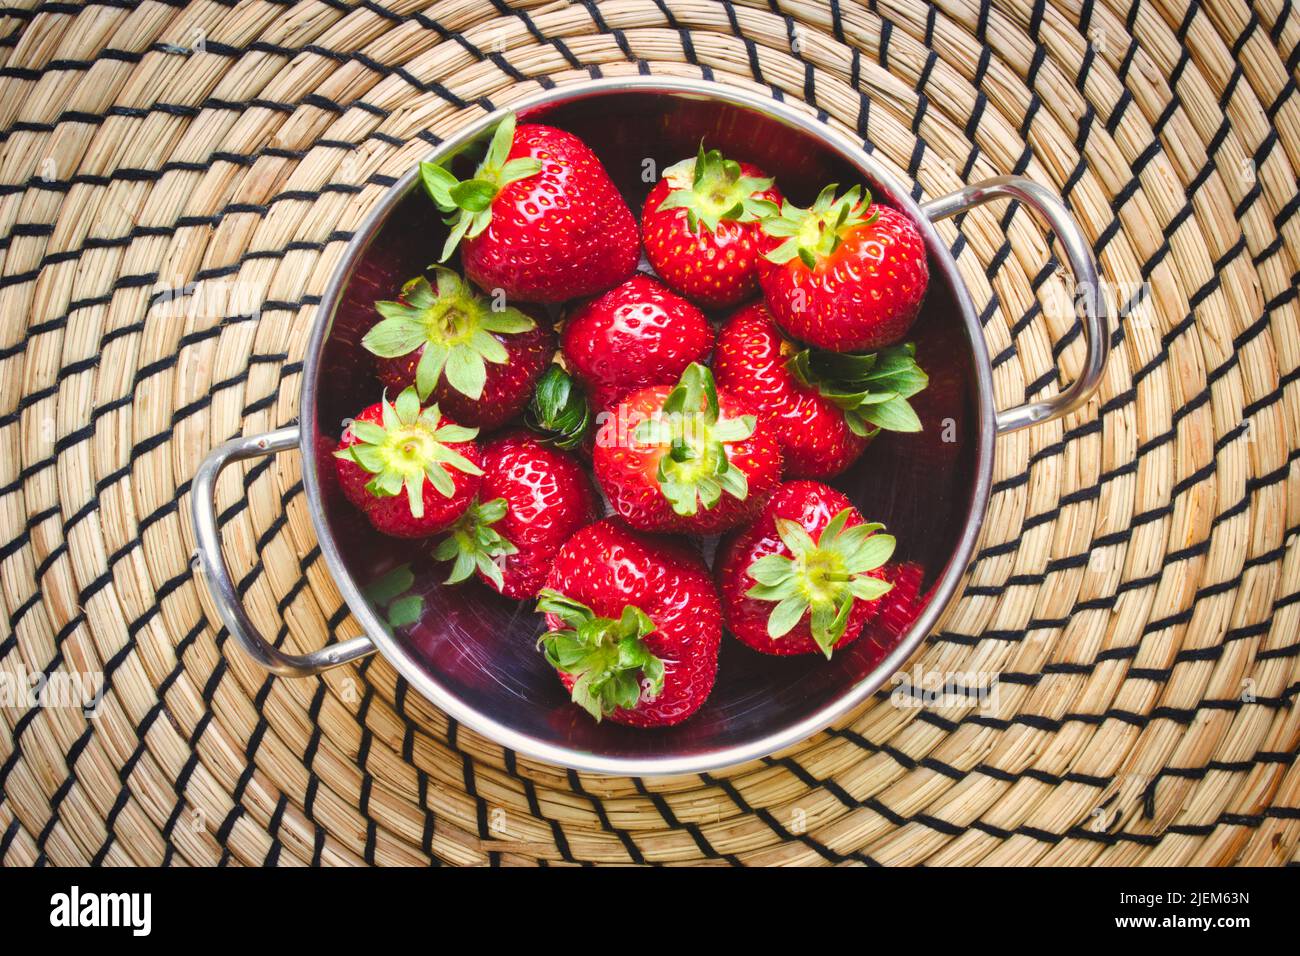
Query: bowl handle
{"points": [[222, 587], [1096, 326]]}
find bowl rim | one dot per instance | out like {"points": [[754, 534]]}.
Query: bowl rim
{"points": [[942, 594]]}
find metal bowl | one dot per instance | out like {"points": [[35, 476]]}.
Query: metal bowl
{"points": [[473, 653]]}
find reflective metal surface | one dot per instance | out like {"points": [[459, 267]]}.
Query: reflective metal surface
{"points": [[472, 652], [217, 575], [1088, 295]]}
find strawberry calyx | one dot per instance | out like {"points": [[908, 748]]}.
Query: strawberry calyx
{"points": [[814, 233], [410, 446], [453, 324], [871, 389], [712, 188], [558, 412], [612, 666], [469, 202], [695, 470], [824, 576], [475, 544]]}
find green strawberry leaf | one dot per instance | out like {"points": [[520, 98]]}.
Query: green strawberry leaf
{"points": [[390, 586], [820, 578], [456, 329], [507, 322], [464, 374], [785, 616], [406, 449], [469, 203], [415, 495], [558, 412], [393, 337], [407, 407], [488, 347], [895, 415], [609, 659], [405, 611], [459, 228], [429, 370], [474, 195], [771, 569], [871, 389], [368, 432], [438, 183]]}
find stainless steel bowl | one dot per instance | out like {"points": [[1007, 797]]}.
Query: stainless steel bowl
{"points": [[471, 652]]}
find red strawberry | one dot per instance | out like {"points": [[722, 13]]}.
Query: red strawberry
{"points": [[844, 275], [410, 470], [634, 625], [700, 224], [804, 577], [751, 363], [686, 458], [541, 220], [477, 361], [824, 408], [636, 334], [899, 608], [533, 499]]}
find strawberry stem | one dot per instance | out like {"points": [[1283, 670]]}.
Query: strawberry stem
{"points": [[711, 188], [695, 470], [454, 327], [608, 657], [408, 448], [871, 389], [823, 578], [469, 203]]}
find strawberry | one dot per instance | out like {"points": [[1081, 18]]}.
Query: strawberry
{"points": [[633, 625], [843, 275], [540, 220], [823, 407], [636, 334], [700, 224], [751, 363], [411, 471], [532, 499], [899, 608], [477, 361], [803, 578], [686, 458]]}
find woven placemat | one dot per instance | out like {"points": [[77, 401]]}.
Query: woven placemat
{"points": [[176, 183]]}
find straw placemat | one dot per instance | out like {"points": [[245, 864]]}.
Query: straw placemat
{"points": [[176, 183]]}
